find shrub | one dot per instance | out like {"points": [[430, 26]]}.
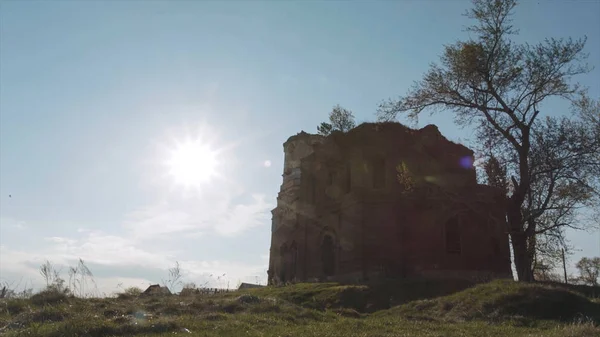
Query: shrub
{"points": [[15, 306], [189, 289], [50, 296], [133, 291], [129, 293]]}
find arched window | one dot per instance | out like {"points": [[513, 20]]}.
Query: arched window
{"points": [[452, 233], [311, 188], [328, 255]]}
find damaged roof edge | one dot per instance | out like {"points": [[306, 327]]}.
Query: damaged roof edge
{"points": [[431, 128]]}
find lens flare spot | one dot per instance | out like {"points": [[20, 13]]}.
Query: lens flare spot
{"points": [[466, 162]]}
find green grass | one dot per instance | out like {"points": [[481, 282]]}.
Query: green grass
{"points": [[500, 308], [362, 298], [501, 301]]}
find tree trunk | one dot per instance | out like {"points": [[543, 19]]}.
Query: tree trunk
{"points": [[522, 256], [564, 261]]}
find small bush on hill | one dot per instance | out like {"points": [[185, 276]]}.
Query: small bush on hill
{"points": [[130, 292], [189, 289], [14, 306], [49, 296]]}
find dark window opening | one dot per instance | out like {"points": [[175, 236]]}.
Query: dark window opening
{"points": [[378, 173], [331, 179], [453, 244], [328, 255], [348, 180]]}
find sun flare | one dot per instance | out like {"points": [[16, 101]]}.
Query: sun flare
{"points": [[192, 163]]}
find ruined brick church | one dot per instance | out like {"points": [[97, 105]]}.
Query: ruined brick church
{"points": [[384, 201]]}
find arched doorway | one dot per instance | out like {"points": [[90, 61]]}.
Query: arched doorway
{"points": [[328, 255], [452, 236]]}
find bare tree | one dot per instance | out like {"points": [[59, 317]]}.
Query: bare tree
{"points": [[340, 119], [589, 270], [499, 86], [175, 275]]}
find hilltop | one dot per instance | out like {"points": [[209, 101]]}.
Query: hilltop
{"points": [[499, 308]]}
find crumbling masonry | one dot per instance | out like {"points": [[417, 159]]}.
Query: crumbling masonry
{"points": [[384, 201]]}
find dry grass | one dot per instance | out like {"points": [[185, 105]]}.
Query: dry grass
{"points": [[494, 309]]}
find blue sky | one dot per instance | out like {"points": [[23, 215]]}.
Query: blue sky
{"points": [[94, 94]]}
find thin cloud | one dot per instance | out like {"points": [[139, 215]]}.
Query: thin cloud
{"points": [[243, 217], [97, 247], [157, 220], [59, 240], [217, 212], [12, 223], [133, 246], [112, 255]]}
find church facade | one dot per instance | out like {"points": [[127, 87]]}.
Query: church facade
{"points": [[384, 201]]}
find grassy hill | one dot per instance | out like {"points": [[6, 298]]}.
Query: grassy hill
{"points": [[499, 308]]}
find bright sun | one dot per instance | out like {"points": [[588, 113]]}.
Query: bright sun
{"points": [[192, 163]]}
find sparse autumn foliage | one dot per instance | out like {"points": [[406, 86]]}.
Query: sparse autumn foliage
{"points": [[340, 119], [496, 174], [500, 87], [405, 178], [545, 272], [589, 270], [133, 291]]}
